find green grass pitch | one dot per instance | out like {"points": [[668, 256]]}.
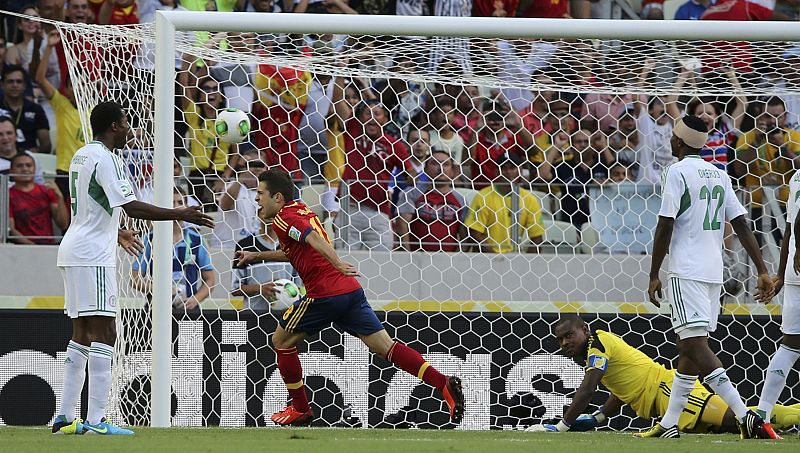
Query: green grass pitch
{"points": [[323, 440]]}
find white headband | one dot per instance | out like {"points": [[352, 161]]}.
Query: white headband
{"points": [[691, 137]]}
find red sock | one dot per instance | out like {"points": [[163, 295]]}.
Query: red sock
{"points": [[412, 362], [292, 374]]}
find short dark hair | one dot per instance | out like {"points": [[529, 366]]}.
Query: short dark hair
{"points": [[278, 181], [104, 114], [5, 119], [12, 68], [19, 156], [775, 100], [570, 318], [695, 123]]}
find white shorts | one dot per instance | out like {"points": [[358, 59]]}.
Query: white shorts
{"points": [[790, 319], [89, 291], [693, 304]]}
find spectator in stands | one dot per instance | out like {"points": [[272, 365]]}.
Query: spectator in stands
{"points": [[118, 12], [501, 133], [372, 156], [652, 10], [433, 219], [420, 143], [212, 160], [238, 202], [495, 8], [3, 49], [490, 220], [606, 109], [193, 275], [692, 10], [32, 207], [577, 174], [263, 6], [282, 98], [620, 173], [768, 155], [467, 113], [33, 129], [8, 149], [253, 282], [723, 130], [51, 9], [69, 129], [443, 133], [551, 9], [624, 139], [148, 8], [79, 12], [312, 147], [22, 52]]}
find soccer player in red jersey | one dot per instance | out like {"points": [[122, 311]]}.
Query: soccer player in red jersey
{"points": [[333, 295]]}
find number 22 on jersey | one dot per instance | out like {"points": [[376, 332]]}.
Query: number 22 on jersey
{"points": [[714, 198]]}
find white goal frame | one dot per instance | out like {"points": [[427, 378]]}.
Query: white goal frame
{"points": [[168, 23]]}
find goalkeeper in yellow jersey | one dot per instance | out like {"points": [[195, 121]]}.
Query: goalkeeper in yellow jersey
{"points": [[635, 379]]}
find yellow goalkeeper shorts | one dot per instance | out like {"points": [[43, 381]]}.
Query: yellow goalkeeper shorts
{"points": [[691, 419]]}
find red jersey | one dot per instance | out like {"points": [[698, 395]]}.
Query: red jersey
{"points": [[488, 8], [32, 213], [292, 224], [370, 165], [484, 164], [437, 219], [547, 9], [736, 54]]}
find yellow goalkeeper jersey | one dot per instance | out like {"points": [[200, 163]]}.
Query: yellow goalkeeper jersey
{"points": [[628, 373]]}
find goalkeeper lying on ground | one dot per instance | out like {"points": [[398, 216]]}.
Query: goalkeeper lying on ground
{"points": [[633, 378]]}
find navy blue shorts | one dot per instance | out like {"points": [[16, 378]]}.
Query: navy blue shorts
{"points": [[350, 312]]}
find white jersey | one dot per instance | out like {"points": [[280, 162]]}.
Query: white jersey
{"points": [[98, 187], [700, 198], [791, 215]]}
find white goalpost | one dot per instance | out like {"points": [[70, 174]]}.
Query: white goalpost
{"points": [[481, 312]]}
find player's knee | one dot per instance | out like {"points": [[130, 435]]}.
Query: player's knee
{"points": [[280, 340]]}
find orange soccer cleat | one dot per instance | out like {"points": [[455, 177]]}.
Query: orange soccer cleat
{"points": [[292, 417], [454, 396]]}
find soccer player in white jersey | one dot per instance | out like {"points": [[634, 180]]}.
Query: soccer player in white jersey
{"points": [[99, 189], [789, 278], [697, 200]]}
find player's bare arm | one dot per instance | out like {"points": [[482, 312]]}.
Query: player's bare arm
{"points": [[583, 396], [144, 211], [243, 258], [326, 250], [765, 290], [588, 422], [777, 280], [661, 241], [796, 263]]}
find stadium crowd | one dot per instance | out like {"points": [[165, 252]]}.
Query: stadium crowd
{"points": [[415, 166]]}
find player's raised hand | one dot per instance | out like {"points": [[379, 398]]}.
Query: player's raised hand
{"points": [[347, 269], [764, 289], [130, 242], [777, 284], [654, 291], [194, 215]]}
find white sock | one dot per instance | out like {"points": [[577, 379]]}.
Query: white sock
{"points": [[682, 385], [779, 366], [721, 385], [100, 357], [74, 377]]}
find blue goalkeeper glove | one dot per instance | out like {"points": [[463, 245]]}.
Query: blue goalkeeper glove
{"points": [[586, 422]]}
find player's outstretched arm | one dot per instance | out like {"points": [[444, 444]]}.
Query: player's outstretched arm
{"points": [[661, 241], [587, 422], [243, 258], [140, 210], [583, 396], [748, 240], [325, 249], [796, 264]]}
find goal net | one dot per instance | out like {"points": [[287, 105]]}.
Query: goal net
{"points": [[482, 186]]}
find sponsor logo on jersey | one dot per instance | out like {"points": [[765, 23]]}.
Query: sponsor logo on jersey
{"points": [[126, 189], [288, 312], [294, 233]]}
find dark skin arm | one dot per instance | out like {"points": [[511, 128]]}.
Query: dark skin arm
{"points": [[661, 241], [583, 396], [777, 281], [748, 240], [144, 211], [796, 255], [612, 406]]}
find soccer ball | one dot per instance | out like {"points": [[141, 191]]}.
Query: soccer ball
{"points": [[232, 125], [286, 293]]}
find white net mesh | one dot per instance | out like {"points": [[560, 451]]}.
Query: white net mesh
{"points": [[579, 128]]}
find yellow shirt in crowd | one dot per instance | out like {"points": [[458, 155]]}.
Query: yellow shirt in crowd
{"points": [[768, 169], [69, 130], [490, 214], [204, 145]]}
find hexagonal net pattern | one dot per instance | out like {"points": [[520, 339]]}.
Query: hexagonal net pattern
{"points": [[481, 187]]}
